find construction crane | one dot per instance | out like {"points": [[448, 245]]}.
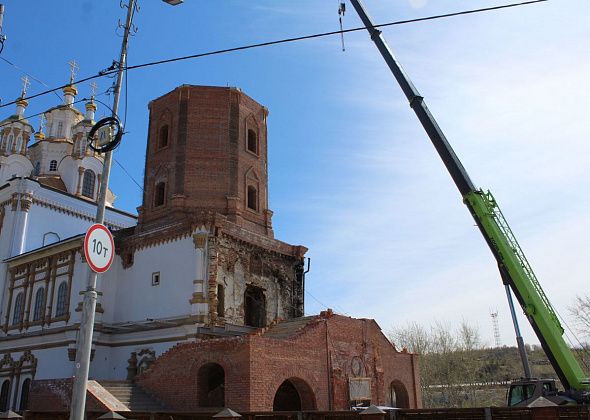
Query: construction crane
{"points": [[515, 270]]}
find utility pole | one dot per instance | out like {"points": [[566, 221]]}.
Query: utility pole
{"points": [[2, 36], [84, 345]]}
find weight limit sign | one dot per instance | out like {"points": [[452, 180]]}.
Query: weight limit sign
{"points": [[99, 248]]}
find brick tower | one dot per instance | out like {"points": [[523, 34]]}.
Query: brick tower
{"points": [[206, 153]]}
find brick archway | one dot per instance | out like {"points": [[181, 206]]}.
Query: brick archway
{"points": [[398, 395], [211, 385], [294, 394]]}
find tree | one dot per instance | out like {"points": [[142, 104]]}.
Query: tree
{"points": [[580, 310], [449, 366]]}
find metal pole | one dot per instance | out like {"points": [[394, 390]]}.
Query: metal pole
{"points": [[437, 137], [519, 341], [82, 364]]}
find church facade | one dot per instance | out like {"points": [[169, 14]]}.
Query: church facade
{"points": [[199, 263]]}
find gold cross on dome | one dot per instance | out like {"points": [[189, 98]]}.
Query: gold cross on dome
{"points": [[74, 67], [93, 88], [26, 84], [41, 123]]}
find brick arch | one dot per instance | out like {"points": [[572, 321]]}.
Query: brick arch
{"points": [[397, 395], [300, 377], [294, 394], [211, 379]]}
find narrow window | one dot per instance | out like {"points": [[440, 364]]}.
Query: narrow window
{"points": [[62, 294], [24, 395], [163, 138], [60, 129], [156, 278], [53, 166], [4, 395], [252, 198], [37, 168], [220, 301], [39, 305], [17, 315], [19, 143], [82, 146], [160, 194], [252, 141], [254, 307], [10, 141], [88, 184]]}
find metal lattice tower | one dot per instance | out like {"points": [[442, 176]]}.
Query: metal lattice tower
{"points": [[497, 340]]}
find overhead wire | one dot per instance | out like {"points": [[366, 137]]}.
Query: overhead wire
{"points": [[109, 71], [27, 74]]}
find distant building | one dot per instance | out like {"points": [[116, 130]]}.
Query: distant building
{"points": [[200, 265]]}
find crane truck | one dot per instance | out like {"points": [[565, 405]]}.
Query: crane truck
{"points": [[515, 270]]}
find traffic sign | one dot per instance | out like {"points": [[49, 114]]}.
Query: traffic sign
{"points": [[99, 248]]}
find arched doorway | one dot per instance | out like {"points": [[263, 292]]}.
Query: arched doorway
{"points": [[398, 395], [211, 385], [294, 394], [254, 307]]}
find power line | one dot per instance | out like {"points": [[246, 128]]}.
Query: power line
{"points": [[27, 74], [283, 41]]}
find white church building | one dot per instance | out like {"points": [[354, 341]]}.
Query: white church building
{"points": [[199, 260]]}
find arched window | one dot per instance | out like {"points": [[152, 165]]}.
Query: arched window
{"points": [[4, 393], [53, 166], [294, 394], [254, 307], [60, 129], [50, 238], [211, 385], [62, 294], [252, 141], [252, 198], [88, 184], [220, 301], [398, 395], [17, 315], [39, 305], [82, 145], [24, 394], [19, 143], [10, 141], [160, 194], [163, 137], [37, 168]]}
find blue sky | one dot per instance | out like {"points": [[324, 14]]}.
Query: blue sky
{"points": [[352, 174]]}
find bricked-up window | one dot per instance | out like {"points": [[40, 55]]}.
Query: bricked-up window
{"points": [[211, 386], [160, 194], [220, 301], [252, 141], [252, 198], [254, 307], [39, 305], [53, 165], [24, 395], [88, 183], [17, 315], [163, 137], [62, 294], [4, 395]]}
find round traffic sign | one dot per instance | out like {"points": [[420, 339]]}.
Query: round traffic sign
{"points": [[99, 248]]}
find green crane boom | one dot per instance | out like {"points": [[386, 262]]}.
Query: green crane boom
{"points": [[513, 265]]}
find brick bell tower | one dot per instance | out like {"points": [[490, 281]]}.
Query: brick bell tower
{"points": [[206, 153]]}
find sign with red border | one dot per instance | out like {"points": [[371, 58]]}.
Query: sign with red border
{"points": [[99, 248]]}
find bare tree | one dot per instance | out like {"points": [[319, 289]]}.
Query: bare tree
{"points": [[580, 310]]}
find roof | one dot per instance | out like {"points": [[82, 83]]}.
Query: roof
{"points": [[289, 328], [55, 244], [53, 182]]}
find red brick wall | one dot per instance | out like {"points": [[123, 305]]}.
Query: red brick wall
{"points": [[321, 355], [206, 160]]}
